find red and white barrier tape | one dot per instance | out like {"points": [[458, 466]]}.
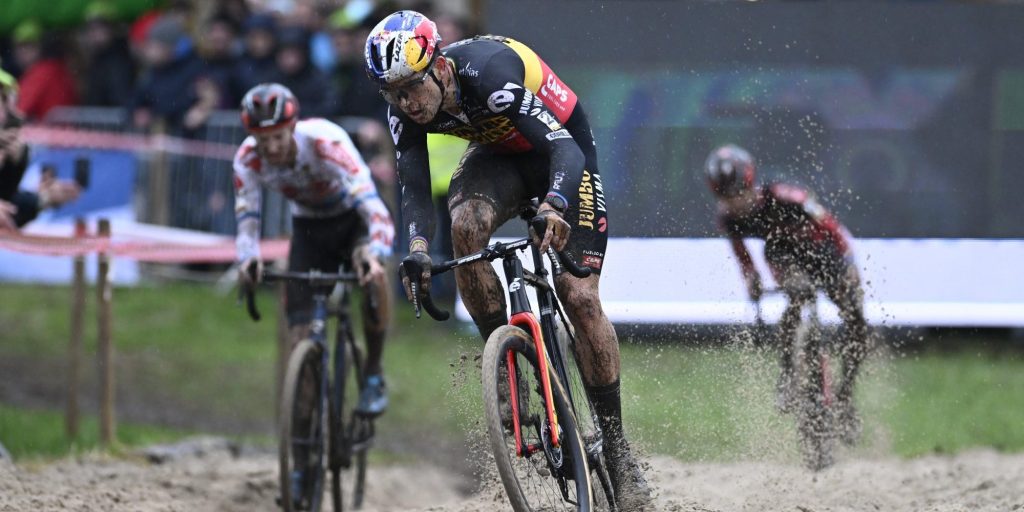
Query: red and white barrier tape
{"points": [[146, 251], [92, 139]]}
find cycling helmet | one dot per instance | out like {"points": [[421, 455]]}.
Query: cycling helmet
{"points": [[730, 170], [401, 48], [269, 106]]}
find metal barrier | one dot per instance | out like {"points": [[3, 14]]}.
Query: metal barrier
{"points": [[181, 190]]}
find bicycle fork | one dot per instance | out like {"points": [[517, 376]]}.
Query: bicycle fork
{"points": [[524, 318]]}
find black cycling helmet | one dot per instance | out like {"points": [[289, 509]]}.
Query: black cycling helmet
{"points": [[269, 106], [730, 170]]}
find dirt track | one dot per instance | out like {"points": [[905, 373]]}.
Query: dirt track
{"points": [[219, 481]]}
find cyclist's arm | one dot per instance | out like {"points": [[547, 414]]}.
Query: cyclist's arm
{"points": [[414, 179], [739, 248], [742, 256], [504, 92], [359, 190], [248, 198]]}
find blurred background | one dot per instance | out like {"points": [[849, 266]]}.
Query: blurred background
{"points": [[906, 118]]}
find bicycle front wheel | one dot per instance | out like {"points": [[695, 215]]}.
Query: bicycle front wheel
{"points": [[301, 430], [542, 477], [814, 416]]}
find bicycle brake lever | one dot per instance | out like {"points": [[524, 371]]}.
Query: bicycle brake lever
{"points": [[415, 296], [556, 265]]}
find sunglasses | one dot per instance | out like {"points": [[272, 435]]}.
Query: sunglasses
{"points": [[396, 94]]}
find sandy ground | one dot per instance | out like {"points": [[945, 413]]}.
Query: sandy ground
{"points": [[217, 480]]}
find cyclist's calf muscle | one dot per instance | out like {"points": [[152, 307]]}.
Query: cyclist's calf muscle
{"points": [[597, 343]]}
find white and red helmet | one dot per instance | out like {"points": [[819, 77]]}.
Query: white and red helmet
{"points": [[401, 48]]}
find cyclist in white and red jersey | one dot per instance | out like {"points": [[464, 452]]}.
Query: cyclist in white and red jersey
{"points": [[806, 248], [337, 216]]}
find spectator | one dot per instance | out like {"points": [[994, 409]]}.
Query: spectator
{"points": [[111, 71], [452, 28], [46, 82], [256, 66], [295, 71], [219, 52], [359, 96], [174, 87], [19, 206], [235, 10]]}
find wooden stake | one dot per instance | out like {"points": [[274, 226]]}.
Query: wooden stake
{"points": [[75, 348], [108, 428]]}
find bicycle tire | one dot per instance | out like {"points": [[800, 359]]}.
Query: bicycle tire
{"points": [[304, 362], [344, 454], [571, 450], [814, 414]]}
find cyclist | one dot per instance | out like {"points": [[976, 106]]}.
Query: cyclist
{"points": [[337, 216], [528, 137], [806, 248]]}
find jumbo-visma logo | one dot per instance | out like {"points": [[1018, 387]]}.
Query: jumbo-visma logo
{"points": [[592, 202]]}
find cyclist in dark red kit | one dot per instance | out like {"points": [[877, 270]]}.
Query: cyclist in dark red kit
{"points": [[529, 138], [807, 249]]}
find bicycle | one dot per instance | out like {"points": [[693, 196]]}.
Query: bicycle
{"points": [[308, 383], [805, 385], [544, 434]]}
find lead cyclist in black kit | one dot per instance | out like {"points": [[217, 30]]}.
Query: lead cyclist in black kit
{"points": [[529, 138]]}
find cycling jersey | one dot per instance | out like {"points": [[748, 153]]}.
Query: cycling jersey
{"points": [[510, 102], [796, 229], [329, 179]]}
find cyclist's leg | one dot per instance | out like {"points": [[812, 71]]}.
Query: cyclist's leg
{"points": [[845, 291], [349, 231], [597, 348], [486, 190], [799, 290], [376, 321]]}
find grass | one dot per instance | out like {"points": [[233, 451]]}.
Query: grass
{"points": [[190, 360], [40, 434]]}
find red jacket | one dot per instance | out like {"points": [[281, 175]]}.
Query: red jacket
{"points": [[44, 85]]}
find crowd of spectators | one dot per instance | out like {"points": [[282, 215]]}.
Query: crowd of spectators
{"points": [[177, 64], [171, 68]]}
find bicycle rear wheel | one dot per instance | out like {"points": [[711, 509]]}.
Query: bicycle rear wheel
{"points": [[815, 415], [301, 430], [545, 477]]}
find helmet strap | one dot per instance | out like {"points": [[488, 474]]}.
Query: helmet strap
{"points": [[457, 90], [440, 85]]}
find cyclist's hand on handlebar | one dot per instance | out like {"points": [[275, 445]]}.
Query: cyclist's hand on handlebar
{"points": [[754, 289], [557, 233], [368, 267], [423, 261], [250, 272]]}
